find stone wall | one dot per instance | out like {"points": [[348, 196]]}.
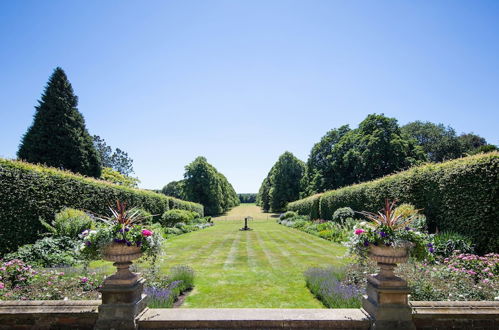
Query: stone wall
{"points": [[83, 315]]}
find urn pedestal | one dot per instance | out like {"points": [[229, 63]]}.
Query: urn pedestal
{"points": [[122, 293], [386, 300]]}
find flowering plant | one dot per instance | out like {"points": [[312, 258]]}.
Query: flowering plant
{"points": [[123, 227], [391, 229]]}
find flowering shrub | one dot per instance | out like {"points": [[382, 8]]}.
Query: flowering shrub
{"points": [[121, 228], [389, 229], [51, 284], [15, 274], [482, 269]]}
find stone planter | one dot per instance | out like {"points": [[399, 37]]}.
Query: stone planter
{"points": [[387, 294]]}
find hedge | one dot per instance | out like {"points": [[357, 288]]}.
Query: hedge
{"points": [[307, 206], [29, 192], [460, 195]]}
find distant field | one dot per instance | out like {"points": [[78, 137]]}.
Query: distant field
{"points": [[244, 210]]}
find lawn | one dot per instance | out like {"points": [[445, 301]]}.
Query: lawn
{"points": [[260, 268]]}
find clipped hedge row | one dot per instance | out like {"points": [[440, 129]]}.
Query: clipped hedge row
{"points": [[460, 195], [307, 206], [29, 192]]}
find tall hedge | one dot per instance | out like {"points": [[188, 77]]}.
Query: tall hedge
{"points": [[460, 195], [29, 192], [307, 206]]}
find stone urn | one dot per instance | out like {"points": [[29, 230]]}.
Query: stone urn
{"points": [[122, 255], [387, 294]]}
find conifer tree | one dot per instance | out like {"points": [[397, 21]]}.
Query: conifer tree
{"points": [[58, 136]]}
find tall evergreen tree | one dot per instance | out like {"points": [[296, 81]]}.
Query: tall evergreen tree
{"points": [[58, 136]]}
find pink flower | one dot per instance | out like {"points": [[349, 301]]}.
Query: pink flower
{"points": [[84, 280], [49, 283], [2, 285], [146, 232], [359, 231]]}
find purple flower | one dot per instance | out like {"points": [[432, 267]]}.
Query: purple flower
{"points": [[128, 243], [375, 243], [139, 243], [382, 234], [117, 240], [429, 245], [127, 229], [407, 228], [88, 243], [366, 243], [432, 250]]}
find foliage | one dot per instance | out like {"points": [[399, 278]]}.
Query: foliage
{"points": [[387, 228], [58, 136], [247, 198], [14, 274], [69, 223], [445, 243], [431, 282], [48, 252], [459, 195], [118, 160], [325, 284], [342, 214], [287, 215], [29, 192], [205, 185], [121, 228], [482, 269], [172, 217], [471, 142], [328, 230], [52, 284], [307, 206], [346, 156], [175, 189], [108, 174], [162, 292], [282, 184], [262, 199], [407, 212]]}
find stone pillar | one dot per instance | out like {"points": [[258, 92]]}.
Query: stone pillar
{"points": [[122, 299], [386, 300]]}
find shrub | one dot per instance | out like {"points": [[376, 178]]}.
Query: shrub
{"points": [[48, 252], [343, 213], [172, 217], [287, 215], [69, 223], [460, 195], [29, 192], [406, 211], [445, 243]]}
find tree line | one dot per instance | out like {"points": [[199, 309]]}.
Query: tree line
{"points": [[203, 184], [377, 147]]}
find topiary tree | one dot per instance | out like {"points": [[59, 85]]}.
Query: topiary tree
{"points": [[58, 136]]}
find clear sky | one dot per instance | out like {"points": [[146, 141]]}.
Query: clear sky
{"points": [[240, 82]]}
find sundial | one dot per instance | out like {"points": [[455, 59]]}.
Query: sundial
{"points": [[246, 224]]}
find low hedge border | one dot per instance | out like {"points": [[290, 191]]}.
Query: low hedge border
{"points": [[461, 195], [29, 192]]}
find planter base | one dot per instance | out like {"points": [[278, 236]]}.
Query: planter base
{"points": [[387, 301], [121, 305]]}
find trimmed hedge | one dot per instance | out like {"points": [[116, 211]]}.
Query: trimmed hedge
{"points": [[29, 192], [460, 196], [307, 206]]}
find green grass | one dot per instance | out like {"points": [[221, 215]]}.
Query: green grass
{"points": [[262, 268]]}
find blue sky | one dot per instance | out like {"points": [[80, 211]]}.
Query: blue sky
{"points": [[240, 82]]}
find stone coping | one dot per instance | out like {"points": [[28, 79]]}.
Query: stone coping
{"points": [[48, 306], [254, 318], [455, 307]]}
